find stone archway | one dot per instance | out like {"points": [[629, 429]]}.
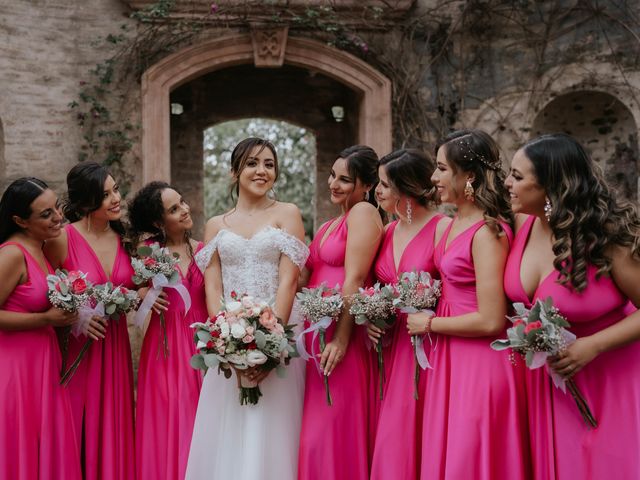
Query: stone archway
{"points": [[372, 88], [605, 126]]}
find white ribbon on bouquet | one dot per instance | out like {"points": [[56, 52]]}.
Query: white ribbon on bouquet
{"points": [[418, 340], [540, 359], [323, 323], [159, 282], [85, 314]]}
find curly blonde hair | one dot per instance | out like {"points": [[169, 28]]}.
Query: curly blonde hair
{"points": [[586, 218]]}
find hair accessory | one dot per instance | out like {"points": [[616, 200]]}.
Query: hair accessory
{"points": [[469, 192], [548, 208], [469, 154]]}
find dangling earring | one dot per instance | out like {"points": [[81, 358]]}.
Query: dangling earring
{"points": [[409, 212], [547, 209], [88, 222], [366, 196], [469, 192]]}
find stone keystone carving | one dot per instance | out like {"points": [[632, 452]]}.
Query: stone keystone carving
{"points": [[269, 45]]}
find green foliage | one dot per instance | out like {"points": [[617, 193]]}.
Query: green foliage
{"points": [[296, 159]]}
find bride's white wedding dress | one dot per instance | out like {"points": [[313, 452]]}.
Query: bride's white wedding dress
{"points": [[249, 442]]}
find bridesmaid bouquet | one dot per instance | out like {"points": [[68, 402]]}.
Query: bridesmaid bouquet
{"points": [[157, 266], [104, 301], [537, 334], [68, 290], [417, 292], [244, 334], [374, 305], [321, 306]]}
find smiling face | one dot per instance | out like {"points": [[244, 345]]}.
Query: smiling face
{"points": [[45, 221], [386, 196], [450, 185], [177, 214], [110, 208], [525, 193], [345, 190], [259, 172]]}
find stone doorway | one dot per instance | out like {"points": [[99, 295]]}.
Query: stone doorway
{"points": [[264, 74]]}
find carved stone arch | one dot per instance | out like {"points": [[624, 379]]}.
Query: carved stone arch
{"points": [[372, 88], [604, 125]]}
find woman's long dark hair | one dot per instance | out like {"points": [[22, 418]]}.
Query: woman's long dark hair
{"points": [[586, 217], [16, 201], [146, 212], [474, 151], [85, 189]]}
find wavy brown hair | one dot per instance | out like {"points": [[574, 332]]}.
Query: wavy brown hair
{"points": [[586, 217], [409, 171], [474, 151]]}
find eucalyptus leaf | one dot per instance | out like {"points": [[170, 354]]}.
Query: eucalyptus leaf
{"points": [[197, 362], [110, 309], [500, 345], [144, 251], [210, 360], [261, 339], [203, 336]]}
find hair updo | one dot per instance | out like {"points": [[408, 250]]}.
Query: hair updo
{"points": [[409, 171], [362, 164]]}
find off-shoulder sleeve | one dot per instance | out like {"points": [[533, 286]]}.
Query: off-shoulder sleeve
{"points": [[203, 257], [293, 248]]}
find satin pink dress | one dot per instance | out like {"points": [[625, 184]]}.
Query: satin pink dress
{"points": [[168, 387], [37, 439], [334, 440], [562, 445], [398, 440], [474, 419], [101, 390]]}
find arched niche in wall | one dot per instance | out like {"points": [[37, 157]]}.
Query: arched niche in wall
{"points": [[605, 126]]}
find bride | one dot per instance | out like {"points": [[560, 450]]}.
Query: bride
{"points": [[256, 248]]}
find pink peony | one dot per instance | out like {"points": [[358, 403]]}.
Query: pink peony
{"points": [[268, 320]]}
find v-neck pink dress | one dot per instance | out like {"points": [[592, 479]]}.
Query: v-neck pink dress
{"points": [[474, 419], [334, 440], [168, 387], [562, 445], [101, 390], [397, 449], [37, 440]]}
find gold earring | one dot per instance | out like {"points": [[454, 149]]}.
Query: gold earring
{"points": [[469, 192]]}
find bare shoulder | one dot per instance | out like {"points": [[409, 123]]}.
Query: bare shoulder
{"points": [[286, 208], [485, 239], [213, 226], [11, 257], [364, 212], [289, 218]]}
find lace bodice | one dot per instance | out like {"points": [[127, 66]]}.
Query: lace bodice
{"points": [[250, 265]]}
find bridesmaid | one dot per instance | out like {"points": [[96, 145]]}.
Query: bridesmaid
{"points": [[406, 191], [334, 442], [579, 245], [168, 387], [37, 440], [474, 420], [101, 389]]}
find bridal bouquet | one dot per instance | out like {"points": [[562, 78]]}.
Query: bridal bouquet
{"points": [[244, 334], [158, 267], [537, 334], [104, 301], [417, 292], [321, 306], [374, 305]]}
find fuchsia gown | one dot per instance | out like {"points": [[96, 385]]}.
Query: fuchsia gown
{"points": [[168, 388], [37, 440], [101, 390], [474, 419], [334, 440], [398, 437], [562, 445]]}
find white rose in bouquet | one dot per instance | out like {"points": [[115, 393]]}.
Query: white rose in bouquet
{"points": [[256, 357], [238, 330]]}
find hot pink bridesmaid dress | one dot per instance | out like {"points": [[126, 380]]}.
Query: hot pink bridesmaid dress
{"points": [[397, 447], [168, 387], [474, 419], [562, 445], [37, 439], [101, 390], [334, 440]]}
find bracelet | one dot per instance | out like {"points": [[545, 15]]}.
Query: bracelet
{"points": [[427, 327]]}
